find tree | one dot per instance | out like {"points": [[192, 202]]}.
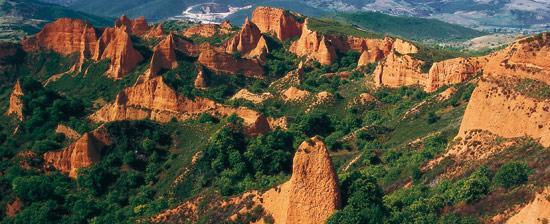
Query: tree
{"points": [[512, 174], [363, 200]]}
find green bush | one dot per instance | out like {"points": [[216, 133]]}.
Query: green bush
{"points": [[512, 174]]}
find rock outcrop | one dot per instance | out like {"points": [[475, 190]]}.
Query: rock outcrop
{"points": [[64, 36], [536, 211], [404, 47], [294, 94], [246, 40], [208, 30], [370, 56], [67, 131], [136, 27], [82, 153], [14, 207], [451, 71], [278, 22], [314, 45], [309, 197], [313, 193], [222, 62], [495, 101], [244, 94], [164, 57], [399, 70], [507, 91], [16, 101], [153, 99], [115, 44], [154, 32], [201, 81]]}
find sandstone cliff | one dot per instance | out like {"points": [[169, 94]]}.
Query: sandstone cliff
{"points": [[16, 101], [115, 44], [451, 71], [536, 211], [279, 22], [370, 56], [246, 40], [399, 70], [155, 100], [505, 92], [164, 57], [64, 36], [82, 153], [314, 45], [222, 62], [136, 27], [208, 30]]}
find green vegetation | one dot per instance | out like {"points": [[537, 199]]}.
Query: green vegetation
{"points": [[409, 27], [512, 174], [533, 88], [333, 27]]}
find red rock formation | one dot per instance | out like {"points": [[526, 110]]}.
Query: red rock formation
{"points": [[64, 36], [315, 46], [314, 193], [208, 30], [14, 207], [136, 27], [497, 97], [67, 131], [201, 80], [83, 153], [164, 57], [494, 102], [399, 70], [451, 71], [115, 44], [222, 62], [246, 40], [154, 32], [261, 50], [279, 22], [404, 47], [155, 100], [370, 56], [16, 101]]}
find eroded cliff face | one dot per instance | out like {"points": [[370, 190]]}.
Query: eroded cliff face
{"points": [[309, 197], [136, 27], [64, 36], [495, 101], [399, 70], [153, 99], [451, 71], [511, 87], [208, 30], [84, 152], [246, 40], [278, 22], [16, 101], [536, 211], [115, 44], [314, 193], [223, 62], [314, 45], [164, 57]]}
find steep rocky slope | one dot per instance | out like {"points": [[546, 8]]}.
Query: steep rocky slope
{"points": [[16, 101], [279, 22]]}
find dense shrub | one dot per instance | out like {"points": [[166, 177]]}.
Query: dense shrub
{"points": [[512, 174]]}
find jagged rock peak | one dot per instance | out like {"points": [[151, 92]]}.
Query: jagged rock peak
{"points": [[115, 44], [137, 27], [84, 152], [246, 40], [279, 22], [164, 57], [16, 101], [314, 194]]}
